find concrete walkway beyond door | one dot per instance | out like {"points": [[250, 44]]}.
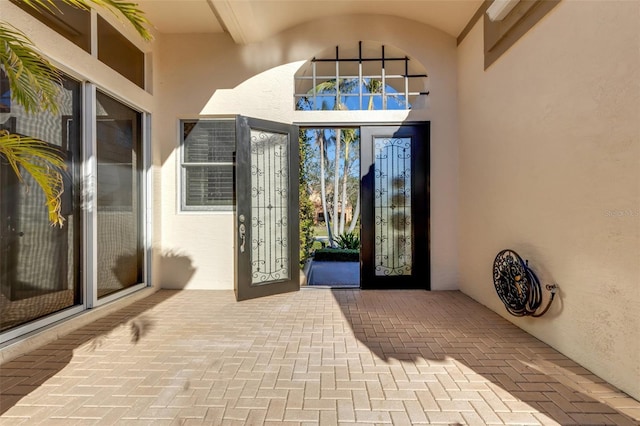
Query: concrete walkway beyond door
{"points": [[312, 357], [334, 274]]}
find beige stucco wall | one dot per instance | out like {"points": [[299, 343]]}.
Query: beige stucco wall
{"points": [[550, 167], [210, 75]]}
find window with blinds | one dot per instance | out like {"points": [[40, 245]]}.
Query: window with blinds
{"points": [[208, 150]]}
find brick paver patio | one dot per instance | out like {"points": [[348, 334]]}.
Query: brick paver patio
{"points": [[313, 357]]}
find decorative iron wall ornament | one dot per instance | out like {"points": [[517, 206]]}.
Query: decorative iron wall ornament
{"points": [[269, 199], [392, 206], [518, 286]]}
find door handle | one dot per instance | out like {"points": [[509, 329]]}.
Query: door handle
{"points": [[243, 233]]}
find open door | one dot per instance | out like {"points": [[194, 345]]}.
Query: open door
{"points": [[267, 234], [395, 207]]}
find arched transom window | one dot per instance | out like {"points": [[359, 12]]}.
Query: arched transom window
{"points": [[369, 76]]}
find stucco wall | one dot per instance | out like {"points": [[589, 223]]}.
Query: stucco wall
{"points": [[550, 167], [210, 75]]}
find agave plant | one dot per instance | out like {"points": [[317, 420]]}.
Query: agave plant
{"points": [[348, 240], [35, 85]]}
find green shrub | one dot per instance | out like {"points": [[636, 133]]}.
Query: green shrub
{"points": [[306, 206], [337, 255]]}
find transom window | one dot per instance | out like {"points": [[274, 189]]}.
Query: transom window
{"points": [[367, 77], [74, 23]]}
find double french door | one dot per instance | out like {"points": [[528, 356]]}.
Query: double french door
{"points": [[395, 207]]}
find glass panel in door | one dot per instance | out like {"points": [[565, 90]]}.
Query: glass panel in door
{"points": [[39, 263], [269, 207], [392, 206], [119, 195]]}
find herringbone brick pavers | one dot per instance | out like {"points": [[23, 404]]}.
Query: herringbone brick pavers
{"points": [[312, 357]]}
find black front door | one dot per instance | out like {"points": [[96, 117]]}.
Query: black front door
{"points": [[395, 207], [267, 234]]}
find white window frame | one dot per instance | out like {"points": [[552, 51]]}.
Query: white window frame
{"points": [[183, 165]]}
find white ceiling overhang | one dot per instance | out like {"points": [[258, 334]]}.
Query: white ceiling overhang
{"points": [[249, 21]]}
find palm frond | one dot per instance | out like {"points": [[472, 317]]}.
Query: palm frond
{"points": [[33, 81], [122, 9], [328, 86], [40, 160], [130, 12]]}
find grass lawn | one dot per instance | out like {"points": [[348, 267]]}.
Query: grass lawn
{"points": [[320, 230]]}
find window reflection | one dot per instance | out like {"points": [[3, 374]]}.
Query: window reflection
{"points": [[119, 207], [119, 53], [71, 22], [39, 264]]}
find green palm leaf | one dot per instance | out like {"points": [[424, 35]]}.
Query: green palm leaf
{"points": [[42, 161], [34, 83], [127, 10]]}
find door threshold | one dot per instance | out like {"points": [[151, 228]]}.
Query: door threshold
{"points": [[333, 287]]}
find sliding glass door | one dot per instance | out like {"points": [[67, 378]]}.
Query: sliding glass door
{"points": [[119, 196]]}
